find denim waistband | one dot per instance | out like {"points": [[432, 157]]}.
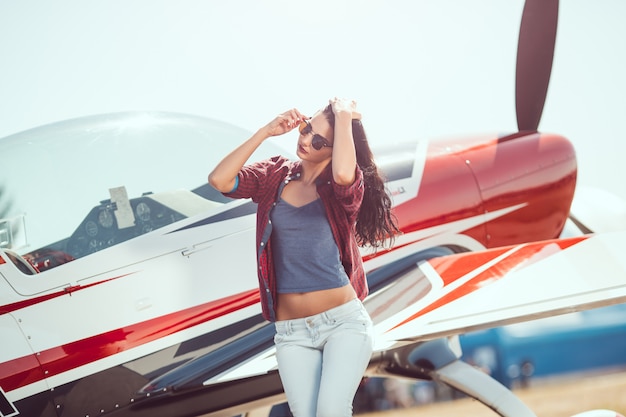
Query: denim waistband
{"points": [[327, 317]]}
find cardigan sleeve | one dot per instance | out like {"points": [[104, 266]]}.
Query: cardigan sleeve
{"points": [[351, 196], [253, 179]]}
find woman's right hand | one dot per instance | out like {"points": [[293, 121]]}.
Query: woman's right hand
{"points": [[223, 177], [285, 122]]}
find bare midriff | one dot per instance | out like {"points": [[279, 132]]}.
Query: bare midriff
{"points": [[298, 305]]}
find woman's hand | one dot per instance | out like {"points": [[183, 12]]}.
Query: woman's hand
{"points": [[343, 107], [224, 175], [285, 122]]}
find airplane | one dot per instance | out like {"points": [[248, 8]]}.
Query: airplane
{"points": [[148, 305]]}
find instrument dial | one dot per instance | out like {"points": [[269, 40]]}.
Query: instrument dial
{"points": [[105, 218], [91, 228], [142, 211]]}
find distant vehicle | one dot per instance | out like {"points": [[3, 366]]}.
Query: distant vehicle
{"points": [[575, 342]]}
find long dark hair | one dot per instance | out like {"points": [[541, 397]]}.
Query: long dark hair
{"points": [[376, 225]]}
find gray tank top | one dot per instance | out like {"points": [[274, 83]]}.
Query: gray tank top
{"points": [[306, 256]]}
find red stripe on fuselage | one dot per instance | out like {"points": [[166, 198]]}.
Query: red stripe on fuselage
{"points": [[19, 372], [8, 308], [22, 371]]}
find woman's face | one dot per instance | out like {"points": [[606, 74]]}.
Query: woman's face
{"points": [[315, 133]]}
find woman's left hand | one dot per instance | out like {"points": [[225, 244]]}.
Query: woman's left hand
{"points": [[343, 106]]}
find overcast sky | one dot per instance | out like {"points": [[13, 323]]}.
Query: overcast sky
{"points": [[418, 68]]}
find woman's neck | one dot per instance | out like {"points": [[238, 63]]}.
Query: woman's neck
{"points": [[312, 170]]}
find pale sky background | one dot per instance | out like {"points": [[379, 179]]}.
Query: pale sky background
{"points": [[418, 68]]}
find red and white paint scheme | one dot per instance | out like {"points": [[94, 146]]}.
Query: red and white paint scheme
{"points": [[128, 286], [163, 315]]}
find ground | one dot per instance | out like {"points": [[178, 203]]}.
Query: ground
{"points": [[560, 397]]}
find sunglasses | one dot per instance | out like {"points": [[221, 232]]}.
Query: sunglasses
{"points": [[318, 141]]}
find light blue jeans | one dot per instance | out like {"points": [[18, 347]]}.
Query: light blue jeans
{"points": [[322, 358]]}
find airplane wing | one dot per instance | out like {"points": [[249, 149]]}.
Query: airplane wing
{"points": [[495, 287], [455, 294]]}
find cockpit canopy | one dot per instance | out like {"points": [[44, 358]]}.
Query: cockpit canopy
{"points": [[62, 185]]}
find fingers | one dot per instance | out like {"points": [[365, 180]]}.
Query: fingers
{"points": [[341, 105], [292, 118], [286, 122]]}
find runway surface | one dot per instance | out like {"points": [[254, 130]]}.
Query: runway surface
{"points": [[558, 397]]}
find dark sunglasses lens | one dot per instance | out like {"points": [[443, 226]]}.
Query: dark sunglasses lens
{"points": [[317, 142]]}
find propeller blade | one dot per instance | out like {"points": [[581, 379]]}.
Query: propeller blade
{"points": [[535, 51]]}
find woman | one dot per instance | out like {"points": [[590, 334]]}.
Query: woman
{"points": [[312, 215]]}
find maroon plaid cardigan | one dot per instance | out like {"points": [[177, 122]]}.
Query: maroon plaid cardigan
{"points": [[263, 182]]}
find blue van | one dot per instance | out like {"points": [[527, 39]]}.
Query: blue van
{"points": [[574, 342]]}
